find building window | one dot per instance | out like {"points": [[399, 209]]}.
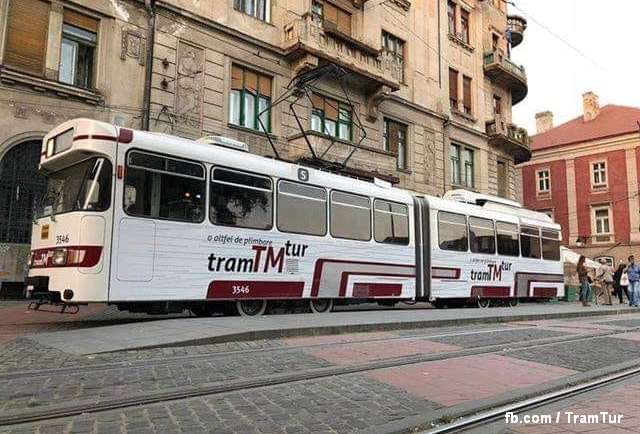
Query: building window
{"points": [[502, 178], [543, 182], [466, 94], [260, 9], [394, 48], [451, 17], [455, 164], [464, 26], [331, 16], [79, 37], [599, 170], [395, 140], [462, 166], [26, 36], [250, 97], [497, 105], [467, 157], [453, 89], [331, 117], [602, 224]]}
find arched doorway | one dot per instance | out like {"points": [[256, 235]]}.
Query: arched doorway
{"points": [[20, 186]]}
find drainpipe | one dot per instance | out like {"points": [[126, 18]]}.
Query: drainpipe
{"points": [[439, 51], [150, 6]]}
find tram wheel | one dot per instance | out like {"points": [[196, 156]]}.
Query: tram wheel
{"points": [[484, 303], [513, 302], [251, 307], [320, 305]]}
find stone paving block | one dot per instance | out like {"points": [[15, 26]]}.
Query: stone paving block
{"points": [[582, 355], [497, 338], [454, 381]]}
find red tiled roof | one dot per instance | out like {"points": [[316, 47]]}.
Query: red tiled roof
{"points": [[613, 120]]}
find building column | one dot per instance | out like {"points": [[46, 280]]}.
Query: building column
{"points": [[632, 193], [572, 205]]}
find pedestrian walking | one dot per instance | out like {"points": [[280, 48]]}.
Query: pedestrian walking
{"points": [[605, 280], [583, 278], [621, 283], [633, 272]]}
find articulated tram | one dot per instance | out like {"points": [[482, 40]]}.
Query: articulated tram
{"points": [[155, 223]]}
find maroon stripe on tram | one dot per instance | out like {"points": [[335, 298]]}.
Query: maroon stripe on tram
{"points": [[490, 291], [95, 137], [43, 258], [254, 289], [364, 290]]}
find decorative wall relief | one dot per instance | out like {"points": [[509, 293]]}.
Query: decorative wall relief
{"points": [[189, 83], [133, 45]]}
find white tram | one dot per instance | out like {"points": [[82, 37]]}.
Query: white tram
{"points": [[155, 223]]}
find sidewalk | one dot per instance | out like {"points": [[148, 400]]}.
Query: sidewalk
{"points": [[200, 331]]}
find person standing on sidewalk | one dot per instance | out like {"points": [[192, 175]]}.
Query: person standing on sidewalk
{"points": [[583, 278], [633, 272], [621, 283], [605, 276]]}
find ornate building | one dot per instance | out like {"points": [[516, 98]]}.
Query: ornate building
{"points": [[584, 174], [415, 92]]}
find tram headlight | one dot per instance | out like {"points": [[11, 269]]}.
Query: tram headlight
{"points": [[59, 257]]}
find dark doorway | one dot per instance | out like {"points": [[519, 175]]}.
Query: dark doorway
{"points": [[20, 186]]}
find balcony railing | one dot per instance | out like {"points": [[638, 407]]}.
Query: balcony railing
{"points": [[309, 35], [516, 25], [513, 139], [504, 73]]}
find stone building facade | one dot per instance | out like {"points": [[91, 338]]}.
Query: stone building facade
{"points": [[584, 174], [421, 95]]}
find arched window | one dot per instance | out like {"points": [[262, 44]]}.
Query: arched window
{"points": [[20, 186]]}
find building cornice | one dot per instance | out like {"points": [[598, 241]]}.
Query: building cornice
{"points": [[209, 23]]}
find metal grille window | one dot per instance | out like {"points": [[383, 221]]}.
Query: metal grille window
{"points": [[250, 99], [395, 140], [331, 117], [394, 48], [21, 187], [260, 9], [79, 37]]}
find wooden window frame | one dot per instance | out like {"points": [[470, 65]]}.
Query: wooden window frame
{"points": [[546, 180], [323, 107], [395, 143], [263, 89]]}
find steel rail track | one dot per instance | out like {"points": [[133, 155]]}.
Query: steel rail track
{"points": [[94, 405], [476, 420]]}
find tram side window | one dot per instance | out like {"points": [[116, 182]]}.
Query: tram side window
{"points": [[350, 216], [530, 242], [508, 244], [241, 199], [551, 245], [482, 237], [166, 188], [390, 222], [452, 231], [302, 209]]}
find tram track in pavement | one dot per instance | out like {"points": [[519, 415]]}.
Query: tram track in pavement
{"points": [[96, 405], [476, 421]]}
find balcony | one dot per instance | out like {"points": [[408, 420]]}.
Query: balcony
{"points": [[506, 74], [311, 39], [516, 25], [509, 137]]}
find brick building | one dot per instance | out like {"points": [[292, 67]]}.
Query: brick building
{"points": [[429, 85], [584, 174]]}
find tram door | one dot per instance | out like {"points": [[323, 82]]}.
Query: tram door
{"points": [[21, 185]]}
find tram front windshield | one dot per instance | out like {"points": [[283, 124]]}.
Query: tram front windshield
{"points": [[85, 186]]}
